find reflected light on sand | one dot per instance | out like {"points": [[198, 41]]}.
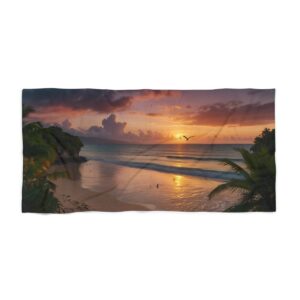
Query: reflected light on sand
{"points": [[178, 180]]}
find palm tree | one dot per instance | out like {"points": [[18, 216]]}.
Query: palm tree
{"points": [[256, 181]]}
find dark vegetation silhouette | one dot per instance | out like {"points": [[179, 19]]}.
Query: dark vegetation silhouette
{"points": [[265, 140], [256, 181], [42, 148]]}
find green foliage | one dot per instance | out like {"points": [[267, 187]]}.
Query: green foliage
{"points": [[265, 140], [62, 142], [50, 143], [42, 147], [257, 179], [35, 143], [38, 196]]}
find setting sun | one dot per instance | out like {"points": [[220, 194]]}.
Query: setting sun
{"points": [[178, 135]]}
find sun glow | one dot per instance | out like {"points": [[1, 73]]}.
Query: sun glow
{"points": [[178, 136]]}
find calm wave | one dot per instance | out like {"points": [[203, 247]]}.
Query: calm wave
{"points": [[186, 159]]}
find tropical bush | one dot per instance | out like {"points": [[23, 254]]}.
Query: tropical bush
{"points": [[43, 147], [256, 181], [265, 140]]}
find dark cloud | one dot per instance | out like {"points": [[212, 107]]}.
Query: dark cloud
{"points": [[112, 129], [76, 99], [264, 94], [152, 94], [232, 113], [103, 101]]}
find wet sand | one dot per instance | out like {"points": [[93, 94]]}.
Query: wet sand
{"points": [[73, 197], [105, 187]]}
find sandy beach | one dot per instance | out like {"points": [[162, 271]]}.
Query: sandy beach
{"points": [[73, 197], [105, 187]]}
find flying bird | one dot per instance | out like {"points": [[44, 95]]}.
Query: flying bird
{"points": [[187, 138]]}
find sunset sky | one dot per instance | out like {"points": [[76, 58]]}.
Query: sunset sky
{"points": [[152, 116]]}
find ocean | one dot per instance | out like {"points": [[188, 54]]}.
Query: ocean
{"points": [[164, 177]]}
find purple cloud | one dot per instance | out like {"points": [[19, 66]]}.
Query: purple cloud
{"points": [[232, 113]]}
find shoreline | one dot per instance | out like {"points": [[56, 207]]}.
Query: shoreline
{"points": [[145, 192], [74, 198]]}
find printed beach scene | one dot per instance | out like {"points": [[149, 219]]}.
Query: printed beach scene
{"points": [[145, 150]]}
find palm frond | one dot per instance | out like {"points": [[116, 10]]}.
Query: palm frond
{"points": [[233, 185], [220, 188], [237, 168], [249, 159]]}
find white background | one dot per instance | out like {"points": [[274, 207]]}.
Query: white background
{"points": [[150, 44]]}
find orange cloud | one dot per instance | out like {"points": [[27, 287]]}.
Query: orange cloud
{"points": [[233, 113]]}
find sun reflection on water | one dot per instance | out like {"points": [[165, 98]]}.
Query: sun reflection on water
{"points": [[178, 180]]}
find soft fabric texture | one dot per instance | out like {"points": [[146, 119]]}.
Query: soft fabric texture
{"points": [[143, 150]]}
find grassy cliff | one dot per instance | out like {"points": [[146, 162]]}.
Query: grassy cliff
{"points": [[42, 148]]}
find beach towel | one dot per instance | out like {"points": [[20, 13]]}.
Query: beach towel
{"points": [[147, 150]]}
